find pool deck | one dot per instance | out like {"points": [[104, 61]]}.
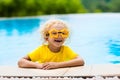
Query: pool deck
{"points": [[80, 71]]}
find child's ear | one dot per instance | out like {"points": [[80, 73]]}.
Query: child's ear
{"points": [[46, 38]]}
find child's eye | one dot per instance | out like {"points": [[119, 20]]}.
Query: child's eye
{"points": [[64, 33]]}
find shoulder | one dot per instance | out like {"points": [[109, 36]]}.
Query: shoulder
{"points": [[66, 47], [69, 52], [39, 48]]}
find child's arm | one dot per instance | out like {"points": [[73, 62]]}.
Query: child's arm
{"points": [[25, 62], [74, 62]]}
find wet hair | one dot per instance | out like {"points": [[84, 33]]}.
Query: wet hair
{"points": [[44, 29]]}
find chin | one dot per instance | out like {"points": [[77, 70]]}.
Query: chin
{"points": [[58, 45]]}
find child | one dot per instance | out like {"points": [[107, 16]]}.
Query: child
{"points": [[53, 54]]}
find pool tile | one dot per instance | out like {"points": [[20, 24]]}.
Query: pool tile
{"points": [[79, 71], [105, 70], [15, 71]]}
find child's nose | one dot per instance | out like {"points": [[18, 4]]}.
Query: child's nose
{"points": [[59, 36]]}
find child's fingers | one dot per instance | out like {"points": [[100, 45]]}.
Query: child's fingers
{"points": [[45, 64], [46, 67]]}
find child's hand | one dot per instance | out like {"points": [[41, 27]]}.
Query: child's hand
{"points": [[38, 66], [50, 65]]}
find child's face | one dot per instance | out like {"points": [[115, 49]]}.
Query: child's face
{"points": [[57, 35]]}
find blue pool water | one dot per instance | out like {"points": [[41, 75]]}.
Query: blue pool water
{"points": [[96, 37]]}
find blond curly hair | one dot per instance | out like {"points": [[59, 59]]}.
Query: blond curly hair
{"points": [[44, 29]]}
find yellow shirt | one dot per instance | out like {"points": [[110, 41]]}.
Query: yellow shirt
{"points": [[42, 54]]}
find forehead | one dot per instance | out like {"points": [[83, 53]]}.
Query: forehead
{"points": [[58, 26]]}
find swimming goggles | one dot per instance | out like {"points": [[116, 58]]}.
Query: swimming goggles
{"points": [[54, 33]]}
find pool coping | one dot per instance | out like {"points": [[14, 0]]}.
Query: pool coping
{"points": [[79, 71]]}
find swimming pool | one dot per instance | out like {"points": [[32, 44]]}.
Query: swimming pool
{"points": [[96, 37]]}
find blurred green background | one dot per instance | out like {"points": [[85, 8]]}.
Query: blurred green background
{"points": [[19, 8]]}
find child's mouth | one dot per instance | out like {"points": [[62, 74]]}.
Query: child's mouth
{"points": [[58, 40]]}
